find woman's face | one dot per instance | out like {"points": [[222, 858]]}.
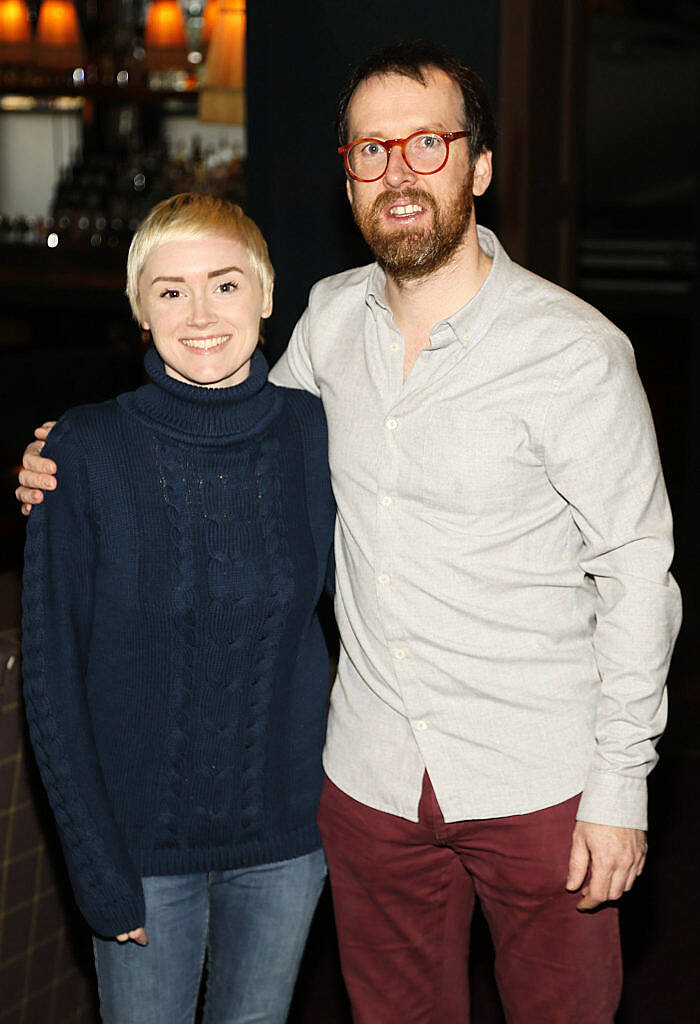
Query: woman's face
{"points": [[202, 302]]}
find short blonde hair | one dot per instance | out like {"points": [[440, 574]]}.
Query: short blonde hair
{"points": [[192, 215]]}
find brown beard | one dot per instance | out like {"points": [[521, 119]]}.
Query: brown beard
{"points": [[411, 254]]}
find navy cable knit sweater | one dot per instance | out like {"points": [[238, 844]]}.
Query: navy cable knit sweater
{"points": [[175, 671]]}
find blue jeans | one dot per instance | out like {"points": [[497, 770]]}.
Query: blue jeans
{"points": [[251, 922]]}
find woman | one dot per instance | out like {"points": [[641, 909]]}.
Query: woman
{"points": [[174, 666]]}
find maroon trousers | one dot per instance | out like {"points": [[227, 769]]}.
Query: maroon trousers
{"points": [[404, 892]]}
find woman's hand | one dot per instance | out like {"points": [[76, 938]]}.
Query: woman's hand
{"points": [[36, 472], [138, 935]]}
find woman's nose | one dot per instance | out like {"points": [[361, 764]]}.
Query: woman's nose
{"points": [[201, 312]]}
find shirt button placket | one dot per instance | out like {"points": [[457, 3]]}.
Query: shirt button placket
{"points": [[387, 480]]}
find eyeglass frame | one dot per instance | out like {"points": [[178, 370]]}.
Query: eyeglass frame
{"points": [[388, 145]]}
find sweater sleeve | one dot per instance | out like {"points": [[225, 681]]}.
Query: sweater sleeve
{"points": [[61, 555]]}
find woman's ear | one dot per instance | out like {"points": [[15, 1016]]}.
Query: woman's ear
{"points": [[267, 309]]}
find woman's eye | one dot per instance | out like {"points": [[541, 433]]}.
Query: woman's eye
{"points": [[227, 286], [169, 293]]}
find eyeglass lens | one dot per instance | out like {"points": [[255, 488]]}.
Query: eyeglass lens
{"points": [[424, 153]]}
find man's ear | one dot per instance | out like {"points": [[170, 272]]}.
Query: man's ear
{"points": [[348, 188], [483, 172]]}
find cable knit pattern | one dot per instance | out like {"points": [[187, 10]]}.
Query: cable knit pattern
{"points": [[178, 720], [174, 485], [281, 589], [72, 815]]}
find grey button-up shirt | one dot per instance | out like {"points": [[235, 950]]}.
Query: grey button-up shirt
{"points": [[503, 544]]}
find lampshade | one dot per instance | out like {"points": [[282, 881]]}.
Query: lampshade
{"points": [[226, 60], [164, 36], [222, 96], [59, 41], [209, 19], [165, 24], [15, 32], [15, 26]]}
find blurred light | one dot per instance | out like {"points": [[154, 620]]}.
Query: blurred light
{"points": [[58, 24], [15, 26], [17, 103], [15, 32], [67, 103], [79, 76], [164, 37], [209, 19], [59, 41], [221, 95], [122, 78], [165, 25], [52, 240]]}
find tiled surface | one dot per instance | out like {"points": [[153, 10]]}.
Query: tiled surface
{"points": [[40, 978]]}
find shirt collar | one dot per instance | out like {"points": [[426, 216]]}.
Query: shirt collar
{"points": [[469, 323]]}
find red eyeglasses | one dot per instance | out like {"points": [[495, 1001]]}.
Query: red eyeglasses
{"points": [[424, 152]]}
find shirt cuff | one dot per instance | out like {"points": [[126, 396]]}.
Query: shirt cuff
{"points": [[610, 799]]}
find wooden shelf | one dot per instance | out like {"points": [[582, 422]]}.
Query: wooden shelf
{"points": [[33, 276], [127, 94]]}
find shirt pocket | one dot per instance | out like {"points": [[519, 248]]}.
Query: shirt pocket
{"points": [[469, 466]]}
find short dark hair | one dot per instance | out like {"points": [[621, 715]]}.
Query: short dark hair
{"points": [[412, 59]]}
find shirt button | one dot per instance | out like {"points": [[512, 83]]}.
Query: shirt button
{"points": [[394, 346], [386, 501], [383, 578], [465, 336], [391, 424], [421, 726], [399, 654]]}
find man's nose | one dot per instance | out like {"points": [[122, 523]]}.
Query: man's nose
{"points": [[397, 171]]}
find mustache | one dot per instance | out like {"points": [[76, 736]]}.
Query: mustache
{"points": [[406, 195]]}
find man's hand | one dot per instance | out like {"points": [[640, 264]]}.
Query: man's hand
{"points": [[138, 935], [37, 475], [615, 856]]}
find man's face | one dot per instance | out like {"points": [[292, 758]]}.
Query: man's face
{"points": [[414, 223]]}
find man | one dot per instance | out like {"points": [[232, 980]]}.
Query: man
{"points": [[503, 596]]}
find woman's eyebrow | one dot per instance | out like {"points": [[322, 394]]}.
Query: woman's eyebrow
{"points": [[224, 270], [180, 279]]}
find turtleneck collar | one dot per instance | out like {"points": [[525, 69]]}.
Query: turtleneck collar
{"points": [[201, 415]]}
